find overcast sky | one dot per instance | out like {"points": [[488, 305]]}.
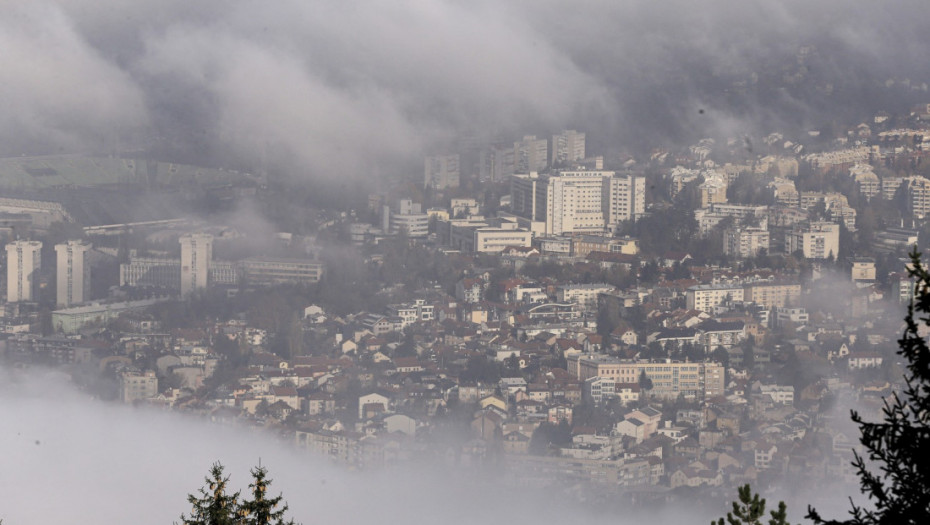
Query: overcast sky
{"points": [[330, 88]]}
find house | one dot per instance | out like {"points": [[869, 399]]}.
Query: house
{"points": [[372, 404], [400, 423]]}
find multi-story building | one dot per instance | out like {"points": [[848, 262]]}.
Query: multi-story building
{"points": [[713, 190], [772, 295], [818, 240], [137, 386], [568, 147], [745, 242], [196, 255], [578, 201], [625, 198], [867, 182], [918, 196], [441, 172], [669, 378], [582, 245], [706, 297], [487, 235], [584, 295], [161, 272], [73, 273], [530, 154], [263, 271], [23, 263], [406, 217]]}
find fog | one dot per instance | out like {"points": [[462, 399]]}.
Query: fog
{"points": [[70, 459], [362, 88]]}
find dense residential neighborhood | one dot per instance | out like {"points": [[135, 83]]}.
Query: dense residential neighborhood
{"points": [[688, 321]]}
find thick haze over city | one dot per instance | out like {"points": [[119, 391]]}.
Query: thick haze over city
{"points": [[453, 261], [315, 83]]}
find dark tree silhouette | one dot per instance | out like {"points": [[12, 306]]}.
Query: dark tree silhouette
{"points": [[750, 509], [213, 505], [900, 490], [262, 510]]}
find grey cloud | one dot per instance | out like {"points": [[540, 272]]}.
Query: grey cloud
{"points": [[361, 87]]}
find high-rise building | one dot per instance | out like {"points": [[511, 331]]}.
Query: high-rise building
{"points": [[196, 255], [578, 201], [530, 154], [73, 272], [23, 262], [442, 172], [567, 147]]}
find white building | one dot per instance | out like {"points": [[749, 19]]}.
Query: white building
{"points": [[73, 273], [705, 297], [406, 217], [578, 201], [196, 255], [819, 240], [23, 263]]}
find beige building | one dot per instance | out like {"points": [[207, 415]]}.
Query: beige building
{"points": [[669, 379], [705, 297], [73, 273], [772, 295], [137, 386], [23, 263]]}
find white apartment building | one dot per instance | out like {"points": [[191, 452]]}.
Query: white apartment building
{"points": [[745, 242], [705, 297], [73, 273], [23, 263], [819, 240], [196, 255]]}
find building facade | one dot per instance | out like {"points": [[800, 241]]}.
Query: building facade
{"points": [[23, 264], [73, 273], [196, 255]]}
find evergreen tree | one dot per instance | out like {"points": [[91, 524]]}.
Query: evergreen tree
{"points": [[213, 506], [262, 510], [750, 509], [900, 490]]}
